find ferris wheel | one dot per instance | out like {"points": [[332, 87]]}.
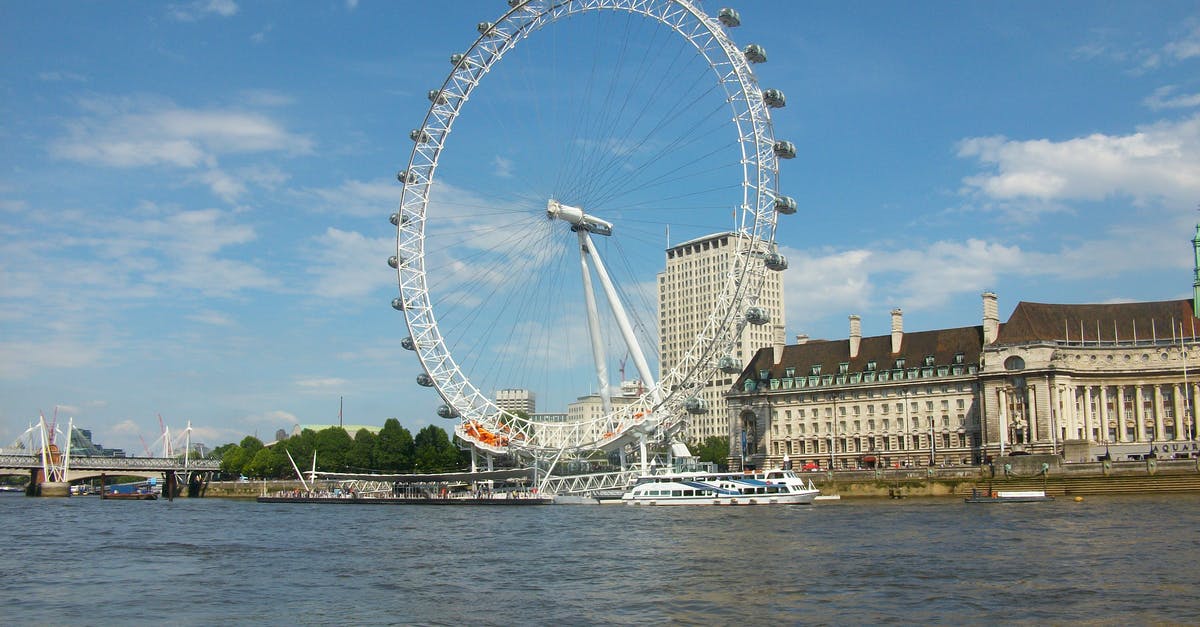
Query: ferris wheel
{"points": [[588, 136]]}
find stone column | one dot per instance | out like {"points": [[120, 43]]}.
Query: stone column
{"points": [[1002, 418], [1102, 409], [1159, 418], [1053, 416], [1085, 402], [1031, 413], [1119, 410], [1139, 412], [1177, 392]]}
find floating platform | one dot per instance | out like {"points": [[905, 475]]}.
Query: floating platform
{"points": [[1012, 496], [397, 500]]}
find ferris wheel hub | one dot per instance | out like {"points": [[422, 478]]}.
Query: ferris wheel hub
{"points": [[577, 218]]}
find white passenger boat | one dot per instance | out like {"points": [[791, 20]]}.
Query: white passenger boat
{"points": [[772, 487]]}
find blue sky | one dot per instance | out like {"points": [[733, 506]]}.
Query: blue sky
{"points": [[194, 195]]}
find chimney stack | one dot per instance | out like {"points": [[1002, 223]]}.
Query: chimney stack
{"points": [[897, 329], [855, 335], [991, 318], [802, 338], [777, 345]]}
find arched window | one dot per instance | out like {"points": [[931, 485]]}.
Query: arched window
{"points": [[1014, 363]]}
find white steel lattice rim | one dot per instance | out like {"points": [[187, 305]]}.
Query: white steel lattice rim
{"points": [[756, 229]]}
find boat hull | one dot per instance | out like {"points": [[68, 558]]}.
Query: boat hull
{"points": [[334, 500], [759, 499]]}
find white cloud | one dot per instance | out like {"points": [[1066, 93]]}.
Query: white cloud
{"points": [[933, 275], [1185, 47], [320, 383], [347, 264], [277, 416], [211, 317], [261, 35], [129, 133], [1165, 98], [355, 198], [351, 4], [502, 167], [23, 358], [58, 76], [1159, 162], [125, 427], [192, 11], [825, 283]]}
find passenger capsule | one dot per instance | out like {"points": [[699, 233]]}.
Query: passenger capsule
{"points": [[695, 405], [446, 411], [394, 219], [729, 17], [419, 136], [397, 304], [408, 344], [516, 3], [774, 98], [728, 365], [457, 58], [484, 28], [785, 205], [775, 261], [394, 261], [436, 96], [757, 316], [406, 177], [755, 53], [424, 380], [784, 150]]}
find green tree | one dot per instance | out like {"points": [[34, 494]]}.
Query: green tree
{"points": [[251, 444], [435, 452], [361, 455], [333, 447], [233, 460], [713, 449], [262, 464], [394, 448]]}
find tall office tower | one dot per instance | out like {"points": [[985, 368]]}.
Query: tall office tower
{"points": [[515, 400], [687, 291]]}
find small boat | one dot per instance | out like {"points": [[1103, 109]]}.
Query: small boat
{"points": [[129, 496], [1010, 496], [774, 487]]}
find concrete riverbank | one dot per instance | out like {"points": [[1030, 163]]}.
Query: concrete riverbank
{"points": [[1058, 479], [1041, 472]]}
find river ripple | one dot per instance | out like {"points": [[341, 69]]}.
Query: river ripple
{"points": [[1107, 560]]}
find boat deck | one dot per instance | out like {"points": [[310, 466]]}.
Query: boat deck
{"points": [[398, 500]]}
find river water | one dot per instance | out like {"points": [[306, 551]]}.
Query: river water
{"points": [[1107, 560]]}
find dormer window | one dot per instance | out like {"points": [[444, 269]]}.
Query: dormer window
{"points": [[816, 370], [958, 358], [789, 372], [843, 367], [929, 361], [871, 365], [764, 374], [900, 363]]}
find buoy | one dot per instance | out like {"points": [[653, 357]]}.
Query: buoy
{"points": [[1079, 499]]}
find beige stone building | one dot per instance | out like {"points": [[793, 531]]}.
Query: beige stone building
{"points": [[1083, 381], [695, 274], [515, 399], [896, 400]]}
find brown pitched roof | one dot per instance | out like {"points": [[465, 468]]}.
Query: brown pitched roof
{"points": [[1031, 322], [943, 344]]}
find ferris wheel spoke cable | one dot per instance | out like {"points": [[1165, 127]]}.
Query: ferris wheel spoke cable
{"points": [[651, 151], [668, 116]]}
